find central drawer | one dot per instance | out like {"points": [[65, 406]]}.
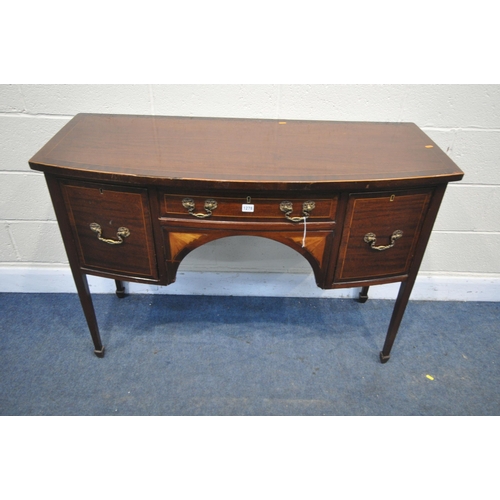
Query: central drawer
{"points": [[254, 208]]}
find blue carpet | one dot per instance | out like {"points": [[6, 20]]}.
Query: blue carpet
{"points": [[188, 355]]}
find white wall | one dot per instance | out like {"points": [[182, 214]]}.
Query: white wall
{"points": [[464, 120]]}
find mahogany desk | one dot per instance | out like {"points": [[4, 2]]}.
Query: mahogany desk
{"points": [[133, 195]]}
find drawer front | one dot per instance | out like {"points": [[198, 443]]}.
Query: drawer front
{"points": [[247, 208], [380, 235], [112, 227]]}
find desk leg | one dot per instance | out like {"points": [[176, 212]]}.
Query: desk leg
{"points": [[397, 316], [79, 277], [120, 289], [407, 286], [82, 287], [363, 295]]}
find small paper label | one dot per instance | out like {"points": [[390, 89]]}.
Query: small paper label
{"points": [[247, 207]]}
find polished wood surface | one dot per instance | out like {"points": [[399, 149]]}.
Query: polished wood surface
{"points": [[275, 153], [335, 192]]}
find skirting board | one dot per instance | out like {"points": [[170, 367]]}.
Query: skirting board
{"points": [[427, 287]]}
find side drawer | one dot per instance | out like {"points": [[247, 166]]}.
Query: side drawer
{"points": [[112, 228], [380, 234], [251, 208]]}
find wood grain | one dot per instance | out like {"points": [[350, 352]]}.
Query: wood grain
{"points": [[236, 151]]}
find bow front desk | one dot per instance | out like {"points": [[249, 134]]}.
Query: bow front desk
{"points": [[133, 195]]}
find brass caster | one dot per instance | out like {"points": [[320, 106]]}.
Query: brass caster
{"points": [[99, 354], [120, 289], [384, 359]]}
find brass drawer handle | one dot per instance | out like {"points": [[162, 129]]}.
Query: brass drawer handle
{"points": [[122, 232], [307, 208], [371, 239], [188, 204]]}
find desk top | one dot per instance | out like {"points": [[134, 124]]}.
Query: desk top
{"points": [[236, 152]]}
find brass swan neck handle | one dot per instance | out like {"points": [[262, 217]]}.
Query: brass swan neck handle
{"points": [[371, 239], [122, 233], [287, 208]]}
